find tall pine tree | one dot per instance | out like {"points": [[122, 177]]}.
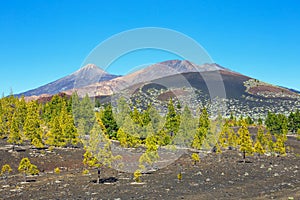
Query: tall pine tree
{"points": [[32, 126], [245, 141], [172, 120]]}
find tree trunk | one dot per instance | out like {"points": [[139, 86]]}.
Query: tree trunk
{"points": [[25, 177], [99, 172], [244, 156]]}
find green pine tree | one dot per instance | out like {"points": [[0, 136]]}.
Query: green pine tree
{"points": [[99, 146], [172, 120], [258, 148], [32, 125], [110, 122], [245, 141], [187, 129], [279, 146], [68, 129], [202, 131], [269, 144], [150, 156], [14, 136]]}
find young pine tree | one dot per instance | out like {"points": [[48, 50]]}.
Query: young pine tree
{"points": [[172, 120], [14, 136], [32, 125], [202, 131], [195, 158], [68, 129], [5, 171], [258, 148], [54, 136], [279, 146], [231, 137], [150, 156], [109, 122], [269, 146], [100, 147], [245, 141], [27, 168], [122, 137], [187, 129]]}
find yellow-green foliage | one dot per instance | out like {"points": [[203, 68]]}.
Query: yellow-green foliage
{"points": [[57, 170], [6, 169], [27, 168], [89, 160], [137, 175], [298, 134], [218, 149], [99, 149], [51, 148], [179, 176], [279, 146], [202, 131], [258, 148], [127, 140], [245, 140], [37, 143], [195, 158], [269, 142], [85, 171], [122, 137], [151, 153]]}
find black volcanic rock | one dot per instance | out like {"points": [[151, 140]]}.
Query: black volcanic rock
{"points": [[87, 75]]}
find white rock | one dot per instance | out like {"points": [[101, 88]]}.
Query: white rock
{"points": [[198, 173], [269, 169]]}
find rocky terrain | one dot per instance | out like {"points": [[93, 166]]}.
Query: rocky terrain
{"points": [[259, 178]]}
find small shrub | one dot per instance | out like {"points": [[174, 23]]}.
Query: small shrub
{"points": [[27, 168], [51, 148], [137, 174], [179, 176], [85, 172], [195, 158], [57, 170], [6, 170]]}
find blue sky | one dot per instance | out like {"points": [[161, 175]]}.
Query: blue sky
{"points": [[41, 41]]}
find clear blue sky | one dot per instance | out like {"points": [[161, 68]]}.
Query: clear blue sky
{"points": [[42, 40]]}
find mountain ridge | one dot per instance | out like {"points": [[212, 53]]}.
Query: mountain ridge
{"points": [[86, 75]]}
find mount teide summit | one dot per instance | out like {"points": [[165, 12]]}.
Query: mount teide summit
{"points": [[87, 75], [148, 74]]}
